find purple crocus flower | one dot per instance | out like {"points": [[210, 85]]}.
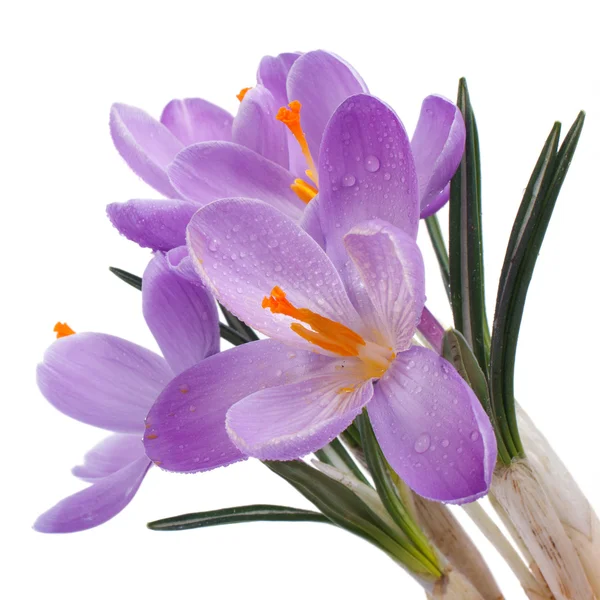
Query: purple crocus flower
{"points": [[254, 155], [344, 302], [111, 383]]}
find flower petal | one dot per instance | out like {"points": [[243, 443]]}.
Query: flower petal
{"points": [[109, 456], [273, 72], [96, 504], [321, 81], [146, 145], [290, 421], [102, 380], [156, 224], [256, 127], [244, 248], [438, 145], [180, 262], [185, 429], [366, 172], [195, 120], [391, 267], [432, 428], [181, 315], [311, 221], [206, 172], [436, 203]]}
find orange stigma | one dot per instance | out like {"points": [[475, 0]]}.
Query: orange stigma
{"points": [[291, 118], [325, 333], [242, 93], [304, 191], [62, 330]]}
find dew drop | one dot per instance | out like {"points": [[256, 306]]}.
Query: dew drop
{"points": [[474, 436], [371, 164], [348, 180], [423, 442], [212, 246], [273, 243], [445, 443], [387, 176]]}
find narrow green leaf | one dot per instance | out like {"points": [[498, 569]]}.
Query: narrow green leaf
{"points": [[523, 249], [336, 455], [348, 511], [239, 326], [441, 252], [231, 335], [381, 473], [466, 248], [237, 514], [132, 280]]}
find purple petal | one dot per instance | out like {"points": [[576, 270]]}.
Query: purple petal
{"points": [[321, 81], [156, 224], [436, 203], [366, 171], [109, 456], [102, 380], [244, 248], [438, 145], [96, 504], [311, 221], [195, 120], [206, 172], [256, 127], [432, 428], [391, 267], [146, 145], [185, 429], [181, 315], [273, 72], [290, 421], [180, 262]]}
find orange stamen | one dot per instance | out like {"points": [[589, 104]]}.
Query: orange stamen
{"points": [[327, 334], [291, 118], [62, 330], [242, 93], [304, 191]]}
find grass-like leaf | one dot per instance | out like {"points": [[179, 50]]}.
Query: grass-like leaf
{"points": [[237, 514]]}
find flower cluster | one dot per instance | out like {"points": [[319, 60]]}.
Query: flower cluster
{"points": [[298, 218]]}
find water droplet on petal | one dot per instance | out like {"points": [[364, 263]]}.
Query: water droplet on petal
{"points": [[348, 180], [212, 246], [387, 176], [445, 443], [474, 436], [423, 442], [372, 164]]}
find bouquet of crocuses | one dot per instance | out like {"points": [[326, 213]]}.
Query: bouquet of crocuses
{"points": [[290, 231]]}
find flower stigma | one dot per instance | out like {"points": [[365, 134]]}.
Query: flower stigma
{"points": [[243, 93], [332, 336], [290, 117], [62, 330]]}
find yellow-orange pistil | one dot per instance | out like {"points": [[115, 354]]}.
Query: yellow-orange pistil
{"points": [[331, 335], [62, 330], [290, 117], [242, 93]]}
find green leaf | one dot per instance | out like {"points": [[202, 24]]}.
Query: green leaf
{"points": [[231, 335], [466, 248], [237, 514], [348, 511], [336, 455], [441, 252], [390, 496], [132, 280], [523, 249], [242, 329]]}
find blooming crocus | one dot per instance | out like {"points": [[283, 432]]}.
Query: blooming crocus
{"points": [[111, 383], [352, 293], [199, 153]]}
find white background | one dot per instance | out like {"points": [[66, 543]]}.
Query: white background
{"points": [[64, 63]]}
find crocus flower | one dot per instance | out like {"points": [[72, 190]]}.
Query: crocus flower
{"points": [[110, 383], [255, 155], [352, 293]]}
